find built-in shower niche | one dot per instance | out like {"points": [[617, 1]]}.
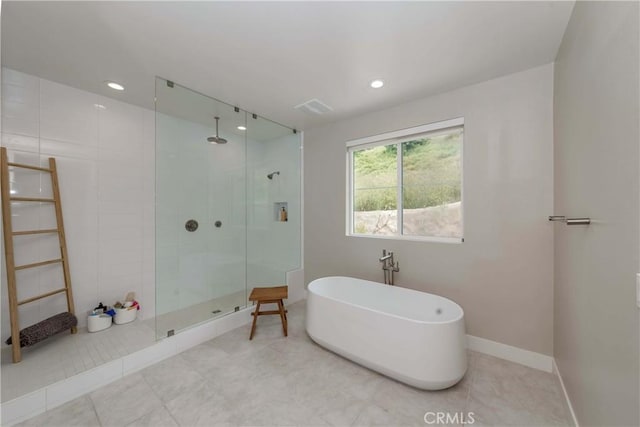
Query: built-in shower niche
{"points": [[277, 211]]}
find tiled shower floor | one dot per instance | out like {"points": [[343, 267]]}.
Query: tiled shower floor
{"points": [[65, 355], [274, 380]]}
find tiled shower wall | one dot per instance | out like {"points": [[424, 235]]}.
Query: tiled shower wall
{"points": [[273, 247], [104, 151], [205, 182]]}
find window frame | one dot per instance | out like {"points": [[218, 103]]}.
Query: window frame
{"points": [[397, 138]]}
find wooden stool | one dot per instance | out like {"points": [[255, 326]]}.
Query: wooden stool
{"points": [[273, 295]]}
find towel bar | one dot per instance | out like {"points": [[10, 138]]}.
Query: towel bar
{"points": [[570, 221]]}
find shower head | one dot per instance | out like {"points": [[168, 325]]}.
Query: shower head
{"points": [[216, 139], [270, 176]]}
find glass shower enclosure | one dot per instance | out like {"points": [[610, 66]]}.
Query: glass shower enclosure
{"points": [[227, 213]]}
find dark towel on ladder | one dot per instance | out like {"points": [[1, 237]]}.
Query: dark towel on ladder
{"points": [[48, 327]]}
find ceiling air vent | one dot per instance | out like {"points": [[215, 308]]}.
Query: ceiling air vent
{"points": [[313, 106]]}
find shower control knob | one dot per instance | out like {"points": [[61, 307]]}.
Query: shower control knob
{"points": [[191, 225], [218, 224]]}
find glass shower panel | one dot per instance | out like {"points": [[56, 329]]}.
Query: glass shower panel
{"points": [[200, 209], [273, 202]]}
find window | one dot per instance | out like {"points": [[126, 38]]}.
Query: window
{"points": [[407, 184]]}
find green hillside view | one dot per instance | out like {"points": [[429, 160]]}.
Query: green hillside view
{"points": [[431, 174]]}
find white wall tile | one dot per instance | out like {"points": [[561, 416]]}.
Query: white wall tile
{"points": [[20, 142], [26, 157], [76, 175], [54, 148], [68, 114], [47, 215], [25, 216], [295, 281], [29, 280], [24, 407], [48, 245], [85, 290], [116, 162], [140, 359], [127, 261], [14, 77], [20, 103], [82, 240], [28, 314], [25, 182], [234, 320], [53, 305], [131, 231], [195, 336], [114, 284], [121, 127], [78, 188], [106, 169], [148, 297], [121, 190]]}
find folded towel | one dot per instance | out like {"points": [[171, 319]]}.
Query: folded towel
{"points": [[48, 327]]}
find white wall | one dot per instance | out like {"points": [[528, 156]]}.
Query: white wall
{"points": [[596, 121], [502, 274], [106, 171]]}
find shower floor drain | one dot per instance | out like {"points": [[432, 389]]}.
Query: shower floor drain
{"points": [[216, 311]]}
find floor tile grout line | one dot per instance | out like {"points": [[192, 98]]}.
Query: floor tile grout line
{"points": [[147, 382], [360, 412], [170, 414], [152, 390], [93, 406], [472, 381]]}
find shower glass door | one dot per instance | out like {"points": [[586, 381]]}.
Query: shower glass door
{"points": [[273, 202], [201, 233]]}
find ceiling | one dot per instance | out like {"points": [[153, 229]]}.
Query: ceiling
{"points": [[181, 102], [267, 57]]}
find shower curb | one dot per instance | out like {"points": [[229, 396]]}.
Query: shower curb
{"points": [[49, 397]]}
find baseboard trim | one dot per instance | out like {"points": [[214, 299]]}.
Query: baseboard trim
{"points": [[56, 394], [523, 357], [513, 354], [566, 395]]}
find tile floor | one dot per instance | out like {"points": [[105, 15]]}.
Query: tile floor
{"points": [[273, 380], [65, 355]]}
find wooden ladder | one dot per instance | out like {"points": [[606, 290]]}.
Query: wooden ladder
{"points": [[7, 198]]}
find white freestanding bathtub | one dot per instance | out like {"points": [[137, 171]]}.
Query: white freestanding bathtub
{"points": [[414, 337]]}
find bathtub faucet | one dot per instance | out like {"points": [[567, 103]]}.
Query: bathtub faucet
{"points": [[386, 256], [389, 266]]}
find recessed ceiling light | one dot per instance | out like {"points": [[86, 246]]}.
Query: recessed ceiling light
{"points": [[114, 85], [377, 84], [242, 128], [100, 106]]}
